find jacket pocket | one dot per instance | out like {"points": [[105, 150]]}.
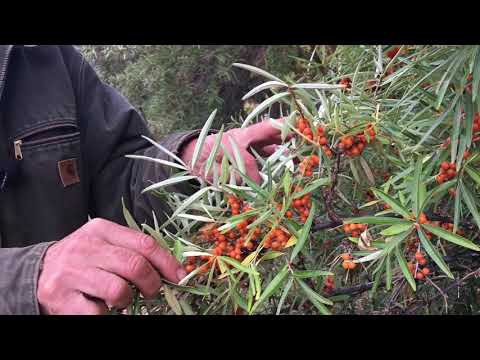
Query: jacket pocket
{"points": [[51, 191], [56, 133]]}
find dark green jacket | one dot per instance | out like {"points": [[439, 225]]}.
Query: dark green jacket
{"points": [[65, 135]]}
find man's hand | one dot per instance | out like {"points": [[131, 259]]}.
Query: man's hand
{"points": [[263, 137], [89, 270]]}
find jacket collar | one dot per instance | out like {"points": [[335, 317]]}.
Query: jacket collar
{"points": [[5, 51]]}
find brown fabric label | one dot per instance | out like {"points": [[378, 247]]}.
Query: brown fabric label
{"points": [[68, 171]]}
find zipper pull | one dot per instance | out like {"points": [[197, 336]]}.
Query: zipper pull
{"points": [[18, 149]]}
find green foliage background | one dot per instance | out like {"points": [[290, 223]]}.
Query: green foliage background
{"points": [[177, 86]]}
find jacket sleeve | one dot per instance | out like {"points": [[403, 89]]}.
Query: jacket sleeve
{"points": [[111, 128], [19, 269]]}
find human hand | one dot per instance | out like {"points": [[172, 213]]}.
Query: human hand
{"points": [[264, 137], [88, 271]]}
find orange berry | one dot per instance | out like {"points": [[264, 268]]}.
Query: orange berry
{"points": [[451, 173], [323, 141], [314, 160], [289, 214], [425, 271], [422, 219], [189, 268], [347, 142], [422, 261], [419, 256], [355, 151], [419, 276], [346, 256]]}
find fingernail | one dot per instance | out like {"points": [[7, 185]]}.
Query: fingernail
{"points": [[181, 273]]}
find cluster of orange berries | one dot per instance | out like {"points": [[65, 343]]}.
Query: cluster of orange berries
{"points": [[346, 81], [422, 261], [277, 239], [196, 261], [348, 263], [354, 145], [235, 204], [329, 284], [301, 206], [323, 142], [308, 164], [354, 229], [304, 128], [447, 172]]}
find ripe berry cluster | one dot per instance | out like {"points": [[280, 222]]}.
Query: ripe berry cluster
{"points": [[355, 145], [235, 204], [323, 142], [303, 127], [276, 239], [301, 206], [421, 272], [308, 164], [476, 126], [348, 263], [447, 172], [354, 229]]}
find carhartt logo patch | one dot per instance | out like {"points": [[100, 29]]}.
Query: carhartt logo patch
{"points": [[68, 171]]}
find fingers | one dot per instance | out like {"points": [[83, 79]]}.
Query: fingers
{"points": [[251, 167], [141, 243], [108, 287], [78, 304], [264, 133], [131, 266], [268, 150]]}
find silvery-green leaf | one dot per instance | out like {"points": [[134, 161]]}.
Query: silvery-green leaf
{"points": [[201, 138], [166, 151], [264, 86], [259, 72], [158, 161], [264, 105], [167, 182]]}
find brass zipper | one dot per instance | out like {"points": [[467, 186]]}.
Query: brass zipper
{"points": [[18, 149]]}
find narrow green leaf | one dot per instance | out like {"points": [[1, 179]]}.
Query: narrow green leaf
{"points": [[311, 273], [214, 152], [264, 105], [434, 254], [394, 204], [404, 268], [418, 188], [271, 287], [311, 187], [305, 232], [312, 294], [376, 220], [168, 182], [158, 161], [396, 229], [201, 139], [259, 72], [388, 268], [172, 300], [470, 202], [264, 86], [453, 238], [186, 204], [129, 218], [237, 265], [285, 291]]}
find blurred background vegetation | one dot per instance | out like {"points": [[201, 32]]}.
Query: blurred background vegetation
{"points": [[176, 87]]}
